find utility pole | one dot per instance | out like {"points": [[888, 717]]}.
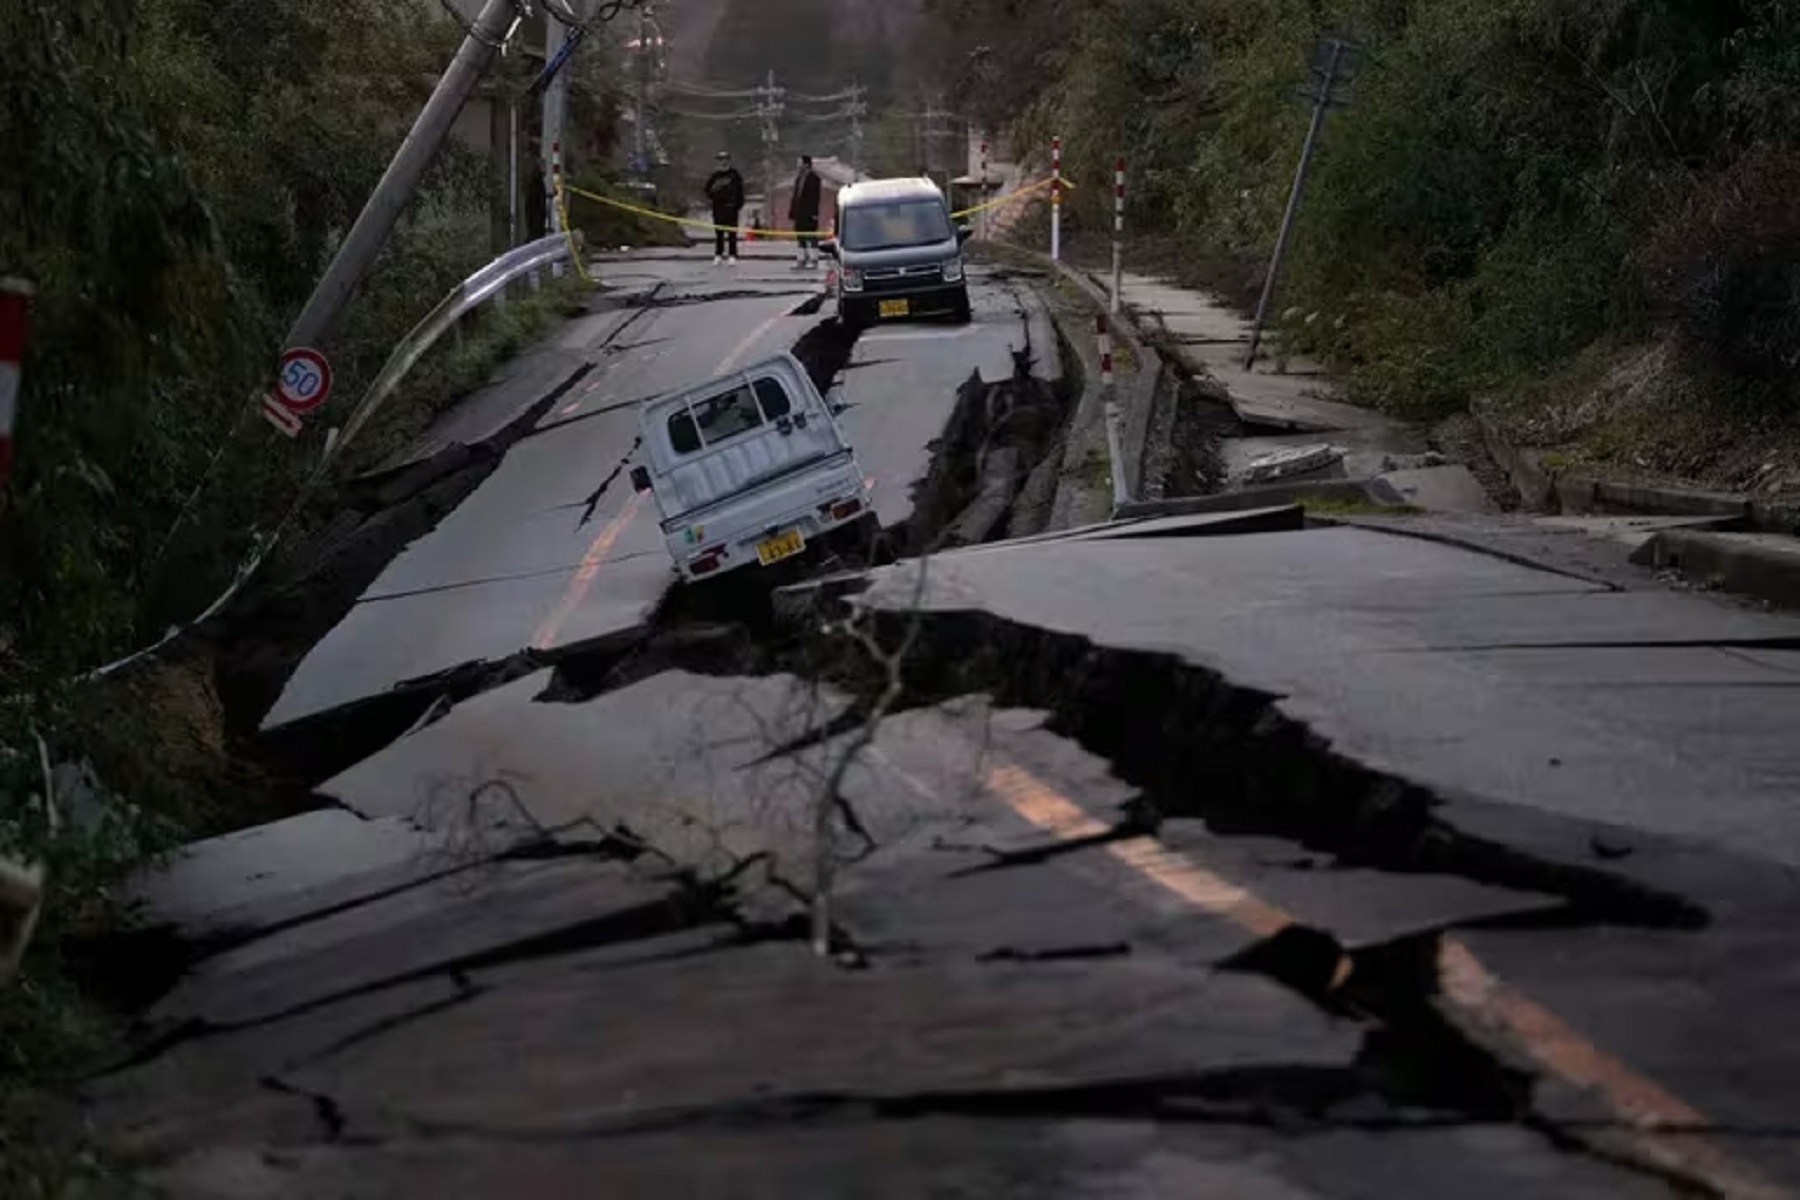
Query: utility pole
{"points": [[556, 94], [857, 110], [376, 221], [1333, 64], [640, 161], [770, 108]]}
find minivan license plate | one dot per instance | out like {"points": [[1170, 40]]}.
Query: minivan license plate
{"points": [[782, 545], [895, 308]]}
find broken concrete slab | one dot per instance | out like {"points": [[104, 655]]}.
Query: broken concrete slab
{"points": [[447, 926], [1632, 531], [1296, 405], [1357, 906], [1369, 641], [1764, 565], [274, 873], [769, 1022], [1450, 488], [1292, 461], [1225, 523], [1357, 492], [515, 388], [677, 759], [1367, 452]]}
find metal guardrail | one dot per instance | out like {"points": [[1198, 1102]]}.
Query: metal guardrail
{"points": [[467, 296], [463, 299]]}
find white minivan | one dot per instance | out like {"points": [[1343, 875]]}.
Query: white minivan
{"points": [[751, 468]]}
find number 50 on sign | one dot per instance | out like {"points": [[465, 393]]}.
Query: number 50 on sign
{"points": [[303, 380]]}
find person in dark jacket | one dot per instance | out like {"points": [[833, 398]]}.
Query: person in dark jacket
{"points": [[803, 211], [725, 188]]}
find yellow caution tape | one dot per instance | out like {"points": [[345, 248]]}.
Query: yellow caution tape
{"points": [[562, 211], [655, 215], [1020, 194]]}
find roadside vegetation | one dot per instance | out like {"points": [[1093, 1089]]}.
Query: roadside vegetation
{"points": [[1579, 212], [178, 173]]}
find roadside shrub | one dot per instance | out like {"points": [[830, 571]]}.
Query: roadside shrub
{"points": [[1725, 268]]}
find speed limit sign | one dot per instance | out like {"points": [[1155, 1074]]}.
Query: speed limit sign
{"points": [[303, 381]]}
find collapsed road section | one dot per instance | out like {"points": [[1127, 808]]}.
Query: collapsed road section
{"points": [[540, 561], [1191, 855]]}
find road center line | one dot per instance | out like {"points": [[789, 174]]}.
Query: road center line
{"points": [[1467, 987], [583, 579]]}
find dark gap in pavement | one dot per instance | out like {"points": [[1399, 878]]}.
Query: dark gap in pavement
{"points": [[691, 905], [1197, 745], [259, 640], [688, 299], [1290, 1098], [728, 626], [1033, 856], [1411, 1048], [329, 1113], [318, 747], [1057, 953]]}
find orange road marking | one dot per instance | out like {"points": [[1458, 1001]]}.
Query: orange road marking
{"points": [[583, 580], [1466, 984], [1055, 813], [584, 575]]}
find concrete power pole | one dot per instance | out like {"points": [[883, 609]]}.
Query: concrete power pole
{"points": [[640, 160], [1334, 64], [556, 95], [391, 195], [858, 109], [770, 110]]}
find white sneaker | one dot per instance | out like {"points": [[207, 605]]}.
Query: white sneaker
{"points": [[717, 259], [733, 260]]}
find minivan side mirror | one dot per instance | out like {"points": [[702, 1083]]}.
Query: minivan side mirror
{"points": [[829, 247], [835, 401], [640, 478], [964, 233]]}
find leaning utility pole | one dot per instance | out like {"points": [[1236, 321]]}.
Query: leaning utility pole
{"points": [[1334, 64], [376, 221], [640, 161]]}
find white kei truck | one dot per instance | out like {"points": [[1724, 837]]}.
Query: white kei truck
{"points": [[752, 469]]}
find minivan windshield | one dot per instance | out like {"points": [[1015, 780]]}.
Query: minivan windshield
{"points": [[889, 226]]}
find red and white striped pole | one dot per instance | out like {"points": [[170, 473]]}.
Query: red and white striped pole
{"points": [[556, 192], [1118, 234], [15, 310], [1056, 200], [1115, 451], [984, 189]]}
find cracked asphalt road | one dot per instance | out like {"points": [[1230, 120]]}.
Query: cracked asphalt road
{"points": [[1179, 866]]}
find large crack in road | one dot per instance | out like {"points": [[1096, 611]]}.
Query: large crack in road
{"points": [[1204, 756]]}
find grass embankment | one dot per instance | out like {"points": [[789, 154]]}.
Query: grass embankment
{"points": [[1579, 212], [179, 173]]}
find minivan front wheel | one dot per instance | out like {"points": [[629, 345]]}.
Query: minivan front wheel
{"points": [[855, 315], [960, 310]]}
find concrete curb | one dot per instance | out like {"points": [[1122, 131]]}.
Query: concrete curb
{"points": [[1545, 489], [1084, 492], [1372, 492], [1764, 565]]}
